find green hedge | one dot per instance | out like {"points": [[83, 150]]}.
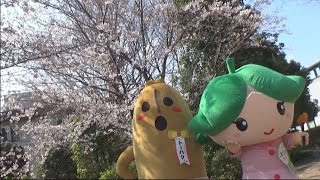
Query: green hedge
{"points": [[314, 136], [59, 164], [219, 164], [111, 173], [300, 154], [104, 154]]}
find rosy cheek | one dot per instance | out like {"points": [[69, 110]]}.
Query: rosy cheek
{"points": [[141, 117], [176, 109]]}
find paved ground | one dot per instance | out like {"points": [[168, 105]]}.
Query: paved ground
{"points": [[310, 170]]}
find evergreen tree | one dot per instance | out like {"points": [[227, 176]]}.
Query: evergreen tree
{"points": [[59, 164]]}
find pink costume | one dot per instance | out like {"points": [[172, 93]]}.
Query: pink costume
{"points": [[260, 161]]}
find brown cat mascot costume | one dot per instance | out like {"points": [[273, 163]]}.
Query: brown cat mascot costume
{"points": [[163, 146]]}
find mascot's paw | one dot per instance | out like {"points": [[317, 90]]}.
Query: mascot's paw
{"points": [[233, 146], [297, 138], [203, 139]]}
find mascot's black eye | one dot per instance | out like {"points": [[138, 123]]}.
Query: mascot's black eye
{"points": [[281, 108], [145, 106], [241, 124], [167, 101]]}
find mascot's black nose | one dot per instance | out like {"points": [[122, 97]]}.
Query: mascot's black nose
{"points": [[161, 123]]}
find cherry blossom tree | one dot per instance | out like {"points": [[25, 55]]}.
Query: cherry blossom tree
{"points": [[13, 162], [88, 60]]}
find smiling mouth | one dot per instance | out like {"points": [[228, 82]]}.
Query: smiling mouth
{"points": [[270, 132]]}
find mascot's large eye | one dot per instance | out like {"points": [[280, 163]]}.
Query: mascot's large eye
{"points": [[281, 108], [241, 124], [145, 106], [167, 101]]}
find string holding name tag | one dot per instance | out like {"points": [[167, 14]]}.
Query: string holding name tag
{"points": [[181, 150]]}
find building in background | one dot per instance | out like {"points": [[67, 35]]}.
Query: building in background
{"points": [[15, 104], [314, 87]]}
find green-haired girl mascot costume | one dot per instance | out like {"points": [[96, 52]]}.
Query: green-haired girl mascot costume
{"points": [[249, 111]]}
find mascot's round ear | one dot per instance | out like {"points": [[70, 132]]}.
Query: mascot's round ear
{"points": [[150, 82]]}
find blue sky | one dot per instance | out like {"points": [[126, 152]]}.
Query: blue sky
{"points": [[302, 43], [303, 24]]}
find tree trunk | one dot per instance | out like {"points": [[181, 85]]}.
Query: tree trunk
{"points": [[303, 138], [302, 127]]}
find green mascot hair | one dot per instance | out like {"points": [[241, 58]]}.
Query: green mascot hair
{"points": [[224, 96]]}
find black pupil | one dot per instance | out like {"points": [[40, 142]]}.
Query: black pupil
{"points": [[241, 124], [281, 108], [167, 101], [145, 106], [161, 123]]}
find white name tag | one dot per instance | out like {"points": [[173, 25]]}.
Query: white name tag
{"points": [[285, 158], [181, 150], [283, 154]]}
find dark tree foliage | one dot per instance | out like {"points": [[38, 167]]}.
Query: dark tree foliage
{"points": [[103, 154], [304, 103], [13, 157], [59, 164]]}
